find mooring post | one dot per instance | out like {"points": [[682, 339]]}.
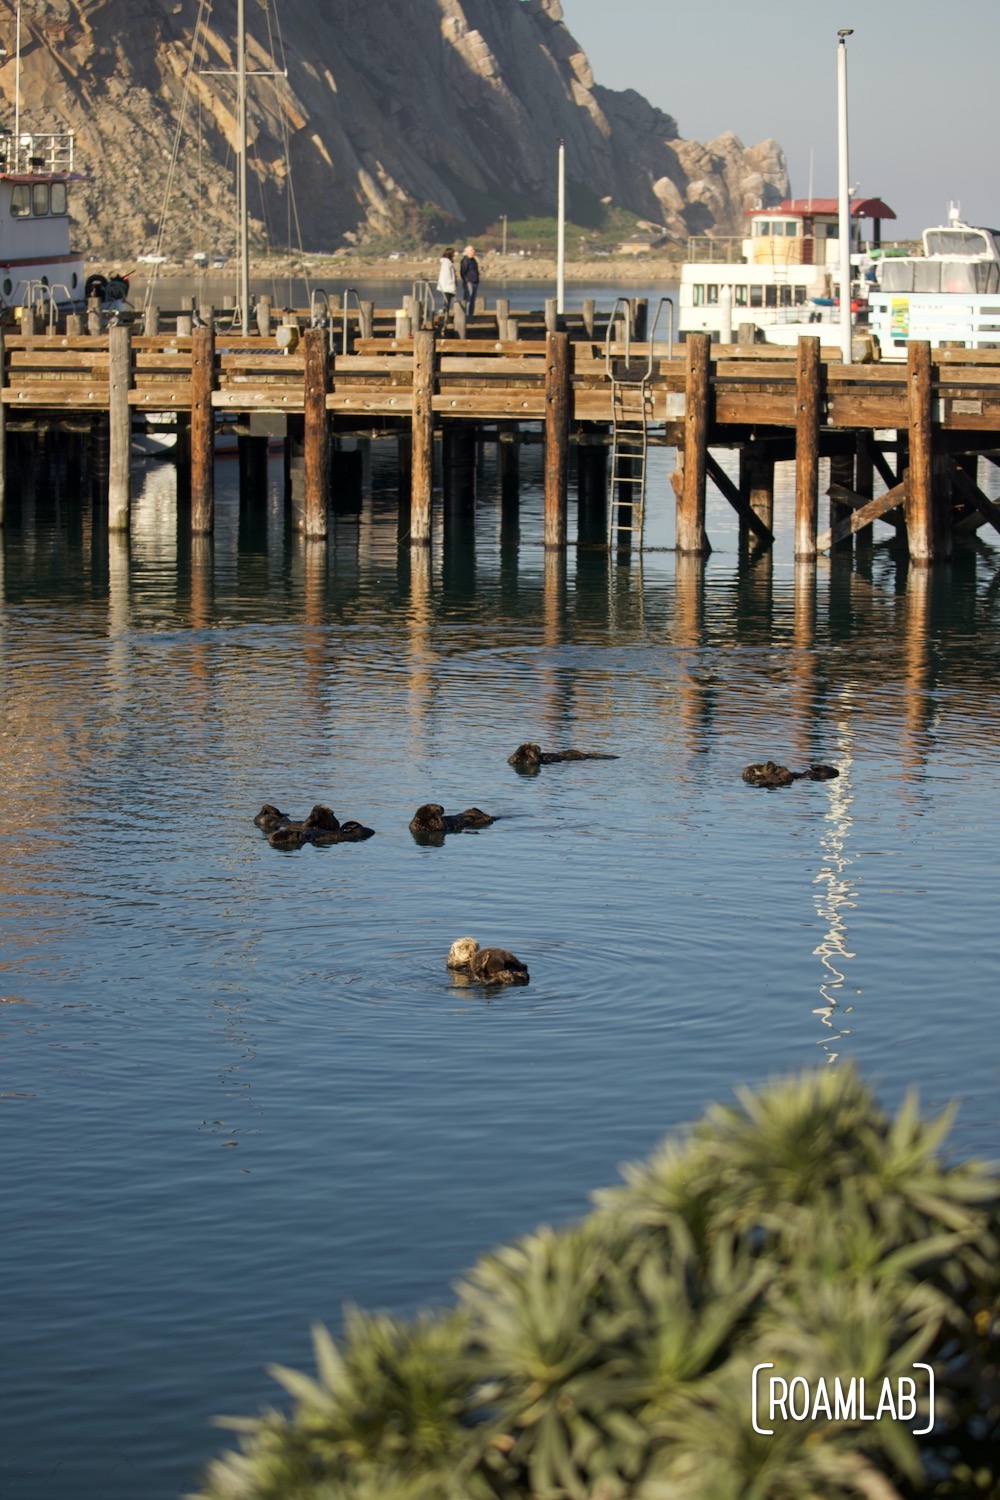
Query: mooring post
{"points": [[589, 306], [691, 536], [119, 427], [557, 409], [202, 432], [151, 320], [458, 319], [757, 489], [422, 446], [3, 432], [74, 325], [263, 312], [919, 508], [807, 411], [503, 313], [316, 456], [551, 316]]}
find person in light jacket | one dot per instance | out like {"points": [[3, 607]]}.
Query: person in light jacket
{"points": [[469, 272], [447, 283]]}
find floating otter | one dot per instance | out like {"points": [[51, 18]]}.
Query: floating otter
{"points": [[486, 965], [431, 822], [321, 827], [269, 818], [529, 757], [768, 773]]}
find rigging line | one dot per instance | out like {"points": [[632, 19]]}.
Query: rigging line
{"points": [[204, 9], [293, 207]]}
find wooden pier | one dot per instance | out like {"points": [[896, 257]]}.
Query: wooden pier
{"points": [[921, 426]]}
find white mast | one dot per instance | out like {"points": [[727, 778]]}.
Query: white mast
{"points": [[241, 72], [561, 232], [17, 91], [844, 197]]}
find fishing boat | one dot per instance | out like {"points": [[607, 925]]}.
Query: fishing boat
{"points": [[784, 277], [949, 294], [37, 266]]}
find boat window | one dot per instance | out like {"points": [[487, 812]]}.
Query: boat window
{"points": [[791, 228], [955, 242], [801, 296], [40, 199], [832, 231], [697, 296], [20, 200], [786, 296], [8, 286], [756, 296], [764, 226], [770, 296], [739, 296], [57, 198], [712, 296]]}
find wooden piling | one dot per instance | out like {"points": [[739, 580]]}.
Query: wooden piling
{"points": [[808, 374], [757, 489], [841, 473], [589, 307], [366, 318], [264, 317], [422, 420], [510, 461], [640, 318], [74, 325], [691, 536], [557, 405], [551, 316], [459, 319], [919, 506], [3, 432], [151, 320], [458, 460], [316, 437], [119, 427], [202, 432], [503, 313], [184, 325]]}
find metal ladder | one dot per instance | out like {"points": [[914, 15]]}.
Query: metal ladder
{"points": [[631, 415]]}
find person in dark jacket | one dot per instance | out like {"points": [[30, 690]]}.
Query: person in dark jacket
{"points": [[469, 273]]}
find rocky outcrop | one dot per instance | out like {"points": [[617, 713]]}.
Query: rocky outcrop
{"points": [[384, 114]]}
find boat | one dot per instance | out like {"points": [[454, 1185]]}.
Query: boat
{"points": [[784, 277], [949, 294], [37, 266]]}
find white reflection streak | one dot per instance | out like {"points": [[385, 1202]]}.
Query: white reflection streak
{"points": [[834, 899]]}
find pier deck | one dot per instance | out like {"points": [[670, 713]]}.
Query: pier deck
{"points": [[930, 414]]}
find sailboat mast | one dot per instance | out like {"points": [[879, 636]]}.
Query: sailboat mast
{"points": [[241, 74]]}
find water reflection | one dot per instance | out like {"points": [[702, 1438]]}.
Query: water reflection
{"points": [[835, 897]]}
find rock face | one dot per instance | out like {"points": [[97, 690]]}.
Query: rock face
{"points": [[393, 114]]}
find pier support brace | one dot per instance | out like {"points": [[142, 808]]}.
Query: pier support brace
{"points": [[202, 432], [422, 449], [808, 376], [557, 405]]}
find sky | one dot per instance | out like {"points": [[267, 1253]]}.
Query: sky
{"points": [[922, 78]]}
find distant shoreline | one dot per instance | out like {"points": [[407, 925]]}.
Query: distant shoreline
{"points": [[619, 270]]}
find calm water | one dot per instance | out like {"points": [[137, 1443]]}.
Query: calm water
{"points": [[239, 1087]]}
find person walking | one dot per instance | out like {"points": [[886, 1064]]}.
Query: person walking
{"points": [[469, 272], [447, 283]]}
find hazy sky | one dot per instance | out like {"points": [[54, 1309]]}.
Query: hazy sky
{"points": [[923, 83]]}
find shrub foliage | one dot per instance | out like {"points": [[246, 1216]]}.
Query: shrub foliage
{"points": [[800, 1226]]}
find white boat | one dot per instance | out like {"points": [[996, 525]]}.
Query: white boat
{"points": [[37, 266], [950, 294], [783, 278]]}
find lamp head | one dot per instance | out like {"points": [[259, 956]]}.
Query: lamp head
{"points": [[847, 31]]}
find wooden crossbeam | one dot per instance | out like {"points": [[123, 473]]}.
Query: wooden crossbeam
{"points": [[868, 511], [971, 492], [879, 460], [742, 507]]}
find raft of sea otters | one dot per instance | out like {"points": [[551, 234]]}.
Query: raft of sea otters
{"points": [[430, 823]]}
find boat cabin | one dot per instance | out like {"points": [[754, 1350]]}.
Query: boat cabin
{"points": [[37, 265], [806, 231]]}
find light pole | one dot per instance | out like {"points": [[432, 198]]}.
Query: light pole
{"points": [[843, 197], [561, 232], [503, 252]]}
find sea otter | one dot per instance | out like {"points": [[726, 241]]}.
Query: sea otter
{"points": [[768, 773], [486, 965], [431, 819], [529, 757], [269, 818]]}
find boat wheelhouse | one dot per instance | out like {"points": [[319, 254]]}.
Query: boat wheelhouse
{"points": [[950, 294], [37, 265], [783, 277]]}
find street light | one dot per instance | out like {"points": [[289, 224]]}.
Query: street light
{"points": [[844, 196]]}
